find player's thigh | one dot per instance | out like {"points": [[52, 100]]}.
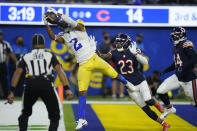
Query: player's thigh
{"points": [[145, 90], [170, 83], [190, 90], [83, 77], [137, 98], [105, 68]]}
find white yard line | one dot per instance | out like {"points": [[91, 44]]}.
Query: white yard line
{"points": [[119, 102], [9, 114]]}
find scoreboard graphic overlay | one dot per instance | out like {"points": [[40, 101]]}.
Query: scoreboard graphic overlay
{"points": [[103, 15]]}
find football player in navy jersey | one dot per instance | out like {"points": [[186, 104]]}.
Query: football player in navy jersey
{"points": [[126, 57], [185, 58]]}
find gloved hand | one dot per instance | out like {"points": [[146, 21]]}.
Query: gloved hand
{"points": [[133, 48], [51, 10], [93, 42], [44, 17]]}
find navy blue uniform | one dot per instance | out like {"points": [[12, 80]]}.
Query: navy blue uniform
{"points": [[126, 64], [184, 60]]}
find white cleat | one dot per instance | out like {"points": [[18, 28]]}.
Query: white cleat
{"points": [[80, 124], [168, 112]]}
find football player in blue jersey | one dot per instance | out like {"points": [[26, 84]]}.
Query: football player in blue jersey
{"points": [[185, 58], [126, 57]]}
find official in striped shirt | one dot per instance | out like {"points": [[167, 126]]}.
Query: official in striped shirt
{"points": [[39, 65], [5, 54]]}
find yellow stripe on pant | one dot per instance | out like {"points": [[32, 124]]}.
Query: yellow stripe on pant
{"points": [[132, 118]]}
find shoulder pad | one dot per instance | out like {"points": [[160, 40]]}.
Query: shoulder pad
{"points": [[61, 33], [188, 44]]}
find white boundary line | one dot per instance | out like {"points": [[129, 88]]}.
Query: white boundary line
{"points": [[119, 102], [110, 102]]}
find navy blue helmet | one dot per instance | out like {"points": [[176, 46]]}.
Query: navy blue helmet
{"points": [[178, 34], [123, 39]]}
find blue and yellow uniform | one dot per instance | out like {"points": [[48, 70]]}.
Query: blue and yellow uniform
{"points": [[86, 69]]}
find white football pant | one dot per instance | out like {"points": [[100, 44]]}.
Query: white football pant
{"points": [[141, 94], [172, 83]]}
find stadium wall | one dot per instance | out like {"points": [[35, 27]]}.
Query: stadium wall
{"points": [[158, 47]]}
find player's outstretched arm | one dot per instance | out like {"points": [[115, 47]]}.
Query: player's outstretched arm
{"points": [[137, 53], [73, 23], [107, 56], [168, 69], [191, 53], [68, 20], [141, 59], [57, 38], [50, 32]]}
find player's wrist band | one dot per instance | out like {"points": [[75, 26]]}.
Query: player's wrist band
{"points": [[12, 89], [66, 87]]}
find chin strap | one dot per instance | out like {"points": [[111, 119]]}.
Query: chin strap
{"points": [[120, 49]]}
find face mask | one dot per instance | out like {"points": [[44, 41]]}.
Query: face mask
{"points": [[120, 49], [178, 41]]}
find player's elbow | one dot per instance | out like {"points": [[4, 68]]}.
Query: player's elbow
{"points": [[142, 60]]}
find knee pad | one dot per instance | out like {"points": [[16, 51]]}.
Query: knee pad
{"points": [[150, 102], [160, 89]]}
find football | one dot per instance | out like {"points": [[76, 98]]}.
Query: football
{"points": [[51, 17]]}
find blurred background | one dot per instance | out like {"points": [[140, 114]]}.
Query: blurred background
{"points": [[148, 22]]}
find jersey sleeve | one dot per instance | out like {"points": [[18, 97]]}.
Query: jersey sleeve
{"points": [[189, 49], [169, 69], [54, 60], [190, 52], [21, 63]]}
